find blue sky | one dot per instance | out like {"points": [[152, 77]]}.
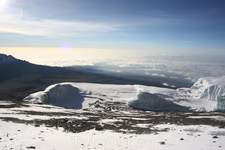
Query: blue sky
{"points": [[184, 26]]}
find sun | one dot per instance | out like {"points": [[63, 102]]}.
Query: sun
{"points": [[2, 2]]}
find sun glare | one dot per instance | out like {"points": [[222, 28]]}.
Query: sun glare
{"points": [[2, 2]]}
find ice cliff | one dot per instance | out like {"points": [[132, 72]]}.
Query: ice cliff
{"points": [[207, 94], [154, 102], [64, 95], [210, 88]]}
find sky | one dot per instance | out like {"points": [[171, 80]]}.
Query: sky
{"points": [[38, 30]]}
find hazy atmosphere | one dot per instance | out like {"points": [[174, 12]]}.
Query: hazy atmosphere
{"points": [[157, 27], [112, 74], [185, 37]]}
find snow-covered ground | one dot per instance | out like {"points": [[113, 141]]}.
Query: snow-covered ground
{"points": [[207, 94], [22, 127], [21, 136], [103, 117]]}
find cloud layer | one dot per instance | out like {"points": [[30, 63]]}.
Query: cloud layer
{"points": [[161, 68]]}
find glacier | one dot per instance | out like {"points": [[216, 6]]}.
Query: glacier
{"points": [[207, 94], [154, 102], [63, 95], [210, 88], [79, 95]]}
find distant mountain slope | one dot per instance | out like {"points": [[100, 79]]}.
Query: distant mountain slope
{"points": [[12, 68], [20, 78]]}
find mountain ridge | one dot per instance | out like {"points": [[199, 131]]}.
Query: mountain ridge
{"points": [[6, 58], [19, 78]]}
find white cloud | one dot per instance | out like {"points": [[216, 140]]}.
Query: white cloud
{"points": [[165, 84], [192, 70], [17, 20], [12, 22], [152, 67], [160, 75]]}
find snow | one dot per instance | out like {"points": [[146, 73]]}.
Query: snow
{"points": [[209, 88], [6, 59], [211, 117], [16, 112], [162, 136], [110, 120], [21, 136], [29, 117], [141, 125], [207, 94], [41, 108], [153, 102], [79, 95], [141, 119]]}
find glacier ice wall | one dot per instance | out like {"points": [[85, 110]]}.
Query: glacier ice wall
{"points": [[220, 103], [206, 88], [150, 101], [211, 88], [63, 95]]}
